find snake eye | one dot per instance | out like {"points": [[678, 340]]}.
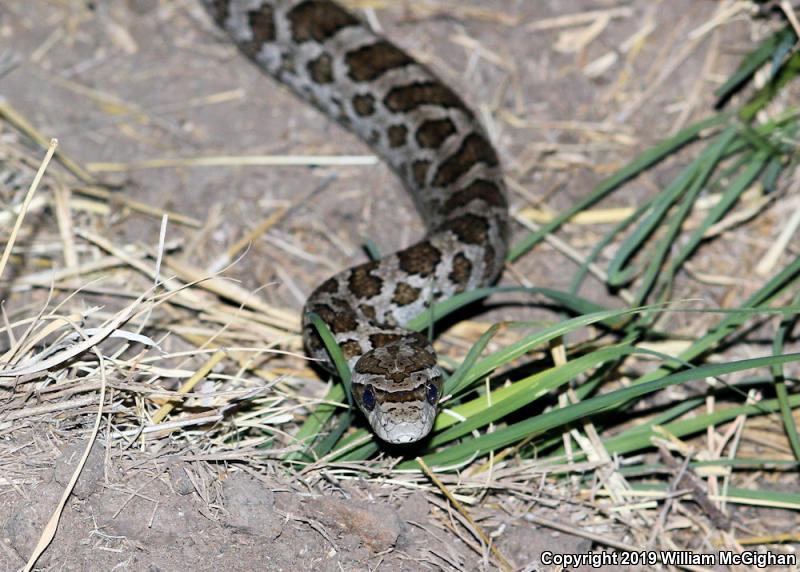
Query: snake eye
{"points": [[432, 394], [368, 398]]}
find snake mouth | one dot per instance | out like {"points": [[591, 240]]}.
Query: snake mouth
{"points": [[404, 433]]}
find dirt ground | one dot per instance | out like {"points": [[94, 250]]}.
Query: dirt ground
{"points": [[566, 100]]}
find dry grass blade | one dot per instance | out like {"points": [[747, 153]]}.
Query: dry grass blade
{"points": [[18, 121], [772, 539], [791, 15], [89, 342], [189, 384], [51, 528], [504, 563], [241, 161], [134, 205], [778, 248], [579, 19], [28, 198]]}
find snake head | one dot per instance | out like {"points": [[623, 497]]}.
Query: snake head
{"points": [[398, 387]]}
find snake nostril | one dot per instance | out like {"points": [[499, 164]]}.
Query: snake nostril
{"points": [[432, 394], [368, 399]]}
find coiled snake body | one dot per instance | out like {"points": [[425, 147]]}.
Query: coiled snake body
{"points": [[431, 139]]}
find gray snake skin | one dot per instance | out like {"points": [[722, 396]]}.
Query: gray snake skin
{"points": [[432, 140]]}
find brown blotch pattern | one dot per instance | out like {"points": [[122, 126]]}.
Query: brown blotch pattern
{"points": [[379, 340], [419, 170], [369, 364], [318, 20], [364, 105], [474, 149], [382, 361], [409, 97], [376, 366], [370, 62], [397, 135], [262, 24], [330, 286], [469, 228], [350, 348], [368, 312], [479, 189], [433, 132], [362, 283], [321, 69], [405, 294], [462, 270], [340, 319], [421, 342], [418, 340], [422, 259]]}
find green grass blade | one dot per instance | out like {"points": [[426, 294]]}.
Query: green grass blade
{"points": [[372, 249], [782, 392], [526, 344], [333, 350], [562, 417], [322, 414], [733, 320], [361, 453], [632, 441], [640, 163], [729, 197], [749, 65], [771, 174], [441, 309], [506, 400], [329, 441], [455, 383], [704, 166], [617, 274], [734, 464], [316, 422], [787, 72], [583, 271], [672, 413], [759, 497]]}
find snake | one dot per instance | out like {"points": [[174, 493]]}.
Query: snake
{"points": [[439, 149]]}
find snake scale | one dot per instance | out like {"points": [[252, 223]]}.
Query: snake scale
{"points": [[437, 146]]}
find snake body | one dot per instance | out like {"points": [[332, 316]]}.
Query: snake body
{"points": [[439, 149]]}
